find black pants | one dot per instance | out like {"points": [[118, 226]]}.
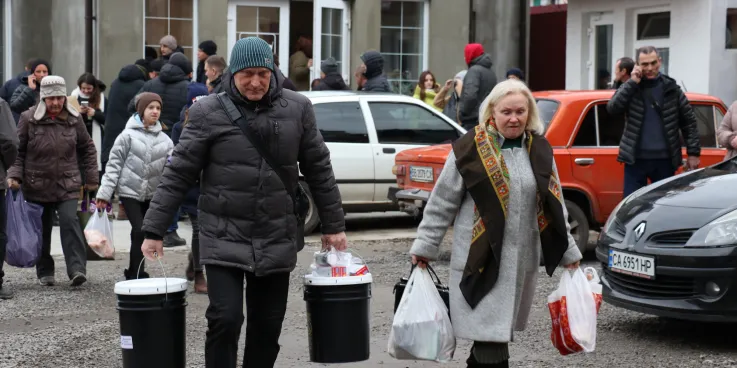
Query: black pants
{"points": [[3, 235], [72, 239], [136, 211], [266, 304], [473, 363], [194, 220], [636, 176]]}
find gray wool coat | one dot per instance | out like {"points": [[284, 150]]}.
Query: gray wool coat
{"points": [[507, 306]]}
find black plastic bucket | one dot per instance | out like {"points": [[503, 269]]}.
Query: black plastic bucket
{"points": [[153, 322], [338, 318]]}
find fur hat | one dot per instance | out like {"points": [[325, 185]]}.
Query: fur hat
{"points": [[52, 86]]}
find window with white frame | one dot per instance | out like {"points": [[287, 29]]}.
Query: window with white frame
{"points": [[170, 17], [403, 43], [652, 28]]}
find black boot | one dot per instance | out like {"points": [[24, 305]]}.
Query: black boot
{"points": [[132, 276]]}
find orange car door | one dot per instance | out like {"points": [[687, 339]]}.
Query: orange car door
{"points": [[708, 117], [594, 150]]}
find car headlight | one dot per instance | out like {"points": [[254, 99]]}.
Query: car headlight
{"points": [[720, 232]]}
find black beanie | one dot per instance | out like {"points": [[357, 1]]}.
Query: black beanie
{"points": [[38, 62], [209, 47], [178, 59], [156, 64], [374, 62]]}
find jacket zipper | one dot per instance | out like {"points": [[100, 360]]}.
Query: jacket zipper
{"points": [[276, 140]]}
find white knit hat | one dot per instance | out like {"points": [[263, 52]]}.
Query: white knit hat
{"points": [[52, 86]]}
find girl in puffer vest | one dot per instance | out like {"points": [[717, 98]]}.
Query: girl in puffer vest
{"points": [[134, 168]]}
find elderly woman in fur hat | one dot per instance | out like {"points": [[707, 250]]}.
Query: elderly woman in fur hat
{"points": [[501, 185], [52, 134]]}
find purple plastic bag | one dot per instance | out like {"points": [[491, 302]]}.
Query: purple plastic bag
{"points": [[24, 230]]}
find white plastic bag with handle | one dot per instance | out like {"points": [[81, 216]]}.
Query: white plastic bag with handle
{"points": [[581, 309], [421, 329]]}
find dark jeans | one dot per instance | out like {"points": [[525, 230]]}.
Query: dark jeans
{"points": [[636, 176], [3, 235], [136, 211], [174, 225], [72, 239], [266, 304], [195, 242]]}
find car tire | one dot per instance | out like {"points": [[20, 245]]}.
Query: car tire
{"points": [[313, 219], [579, 225]]}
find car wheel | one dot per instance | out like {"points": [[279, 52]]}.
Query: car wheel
{"points": [[312, 219], [579, 225]]}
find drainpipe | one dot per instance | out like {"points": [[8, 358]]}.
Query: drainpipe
{"points": [[88, 19]]}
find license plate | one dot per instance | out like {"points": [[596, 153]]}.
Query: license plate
{"points": [[421, 174], [631, 264]]}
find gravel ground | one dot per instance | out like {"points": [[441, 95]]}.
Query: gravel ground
{"points": [[64, 327]]}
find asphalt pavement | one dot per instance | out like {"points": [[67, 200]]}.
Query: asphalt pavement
{"points": [[64, 327]]}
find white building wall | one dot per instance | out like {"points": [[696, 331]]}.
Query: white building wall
{"points": [[723, 65], [689, 43]]}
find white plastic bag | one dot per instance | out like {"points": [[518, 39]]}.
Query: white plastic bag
{"points": [[421, 329], [573, 308], [99, 235]]}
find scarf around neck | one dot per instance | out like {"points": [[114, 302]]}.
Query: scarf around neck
{"points": [[485, 175]]}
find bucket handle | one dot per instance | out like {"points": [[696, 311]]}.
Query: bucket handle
{"points": [[166, 279], [360, 256]]}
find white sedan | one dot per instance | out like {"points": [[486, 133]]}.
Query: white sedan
{"points": [[364, 131]]}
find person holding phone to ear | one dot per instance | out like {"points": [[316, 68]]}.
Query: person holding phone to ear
{"points": [[658, 113], [28, 93]]}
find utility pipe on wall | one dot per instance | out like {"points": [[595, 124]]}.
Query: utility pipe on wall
{"points": [[88, 48]]}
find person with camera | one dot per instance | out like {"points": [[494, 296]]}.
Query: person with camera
{"points": [[244, 145], [658, 113]]}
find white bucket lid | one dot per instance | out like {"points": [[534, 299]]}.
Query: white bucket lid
{"points": [[153, 286], [331, 281]]}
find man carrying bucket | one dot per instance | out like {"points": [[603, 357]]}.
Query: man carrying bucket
{"points": [[246, 143]]}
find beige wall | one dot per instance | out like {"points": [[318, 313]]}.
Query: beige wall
{"points": [[365, 31], [120, 33], [68, 48], [448, 32], [31, 33], [213, 24]]}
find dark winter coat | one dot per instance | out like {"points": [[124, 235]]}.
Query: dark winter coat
{"points": [[331, 82], [678, 119], [217, 85], [246, 216], [201, 76], [130, 80], [377, 84], [171, 85], [65, 139], [8, 142], [478, 83], [6, 92], [189, 204], [24, 97]]}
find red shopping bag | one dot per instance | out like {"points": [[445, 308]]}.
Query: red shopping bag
{"points": [[561, 335]]}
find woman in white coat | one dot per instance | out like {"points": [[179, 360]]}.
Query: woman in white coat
{"points": [[136, 163], [88, 98], [501, 185]]}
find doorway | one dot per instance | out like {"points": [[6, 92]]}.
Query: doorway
{"points": [[601, 62]]}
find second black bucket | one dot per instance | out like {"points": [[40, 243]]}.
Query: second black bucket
{"points": [[153, 322], [338, 318]]}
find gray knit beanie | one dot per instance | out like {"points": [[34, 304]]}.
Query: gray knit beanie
{"points": [[329, 66], [251, 52], [169, 41]]}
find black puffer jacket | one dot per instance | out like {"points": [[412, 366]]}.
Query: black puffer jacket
{"points": [[331, 82], [478, 83], [24, 97], [6, 92], [130, 80], [377, 84], [678, 118], [171, 85], [246, 216]]}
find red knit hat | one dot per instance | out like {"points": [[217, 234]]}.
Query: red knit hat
{"points": [[473, 50]]}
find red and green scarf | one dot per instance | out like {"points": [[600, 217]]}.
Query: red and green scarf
{"points": [[480, 161]]}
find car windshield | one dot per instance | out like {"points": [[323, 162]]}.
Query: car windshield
{"points": [[547, 110]]}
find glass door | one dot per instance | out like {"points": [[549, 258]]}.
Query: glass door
{"points": [[268, 20], [601, 62], [331, 36]]}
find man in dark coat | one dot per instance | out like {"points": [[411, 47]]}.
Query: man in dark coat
{"points": [[171, 85], [658, 115], [8, 152], [6, 91], [478, 83], [374, 73], [130, 80], [331, 78], [248, 223], [207, 48]]}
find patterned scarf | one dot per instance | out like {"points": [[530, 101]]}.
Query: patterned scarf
{"points": [[481, 163]]}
